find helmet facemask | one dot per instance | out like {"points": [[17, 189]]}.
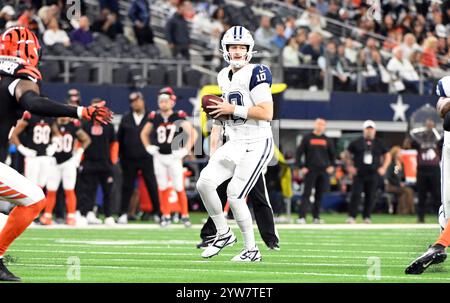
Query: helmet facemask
{"points": [[237, 36]]}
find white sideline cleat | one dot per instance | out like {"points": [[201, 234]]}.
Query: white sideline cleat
{"points": [[123, 219], [109, 221], [92, 219]]}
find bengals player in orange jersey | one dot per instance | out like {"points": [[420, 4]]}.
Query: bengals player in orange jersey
{"points": [[19, 91]]}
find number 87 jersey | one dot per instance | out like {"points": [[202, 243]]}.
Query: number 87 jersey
{"points": [[165, 129], [247, 87]]}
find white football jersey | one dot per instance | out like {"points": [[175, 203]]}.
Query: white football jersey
{"points": [[247, 87]]}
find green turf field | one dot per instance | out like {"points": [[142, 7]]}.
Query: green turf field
{"points": [[326, 253]]}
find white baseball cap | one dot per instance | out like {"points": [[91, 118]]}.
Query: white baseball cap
{"points": [[369, 123], [9, 10]]}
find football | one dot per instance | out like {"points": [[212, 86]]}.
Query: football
{"points": [[206, 101]]}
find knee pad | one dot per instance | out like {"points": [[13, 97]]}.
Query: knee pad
{"points": [[233, 189], [204, 185]]}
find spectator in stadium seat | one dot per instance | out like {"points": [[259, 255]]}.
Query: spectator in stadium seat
{"points": [[429, 57], [301, 37], [291, 63], [402, 70], [108, 24], [366, 160], [311, 52], [330, 63], [112, 5], [409, 45], [395, 178], [290, 53], [139, 14], [82, 35], [54, 34], [265, 33], [177, 31], [289, 27], [279, 40], [29, 19], [6, 15]]}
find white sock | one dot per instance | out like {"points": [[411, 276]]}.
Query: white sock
{"points": [[243, 218], [212, 204]]}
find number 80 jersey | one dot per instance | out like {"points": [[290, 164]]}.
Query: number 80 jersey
{"points": [[164, 129], [247, 87]]}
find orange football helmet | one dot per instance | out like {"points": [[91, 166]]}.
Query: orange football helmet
{"points": [[20, 42]]}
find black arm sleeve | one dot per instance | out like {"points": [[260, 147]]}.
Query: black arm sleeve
{"points": [[42, 106]]}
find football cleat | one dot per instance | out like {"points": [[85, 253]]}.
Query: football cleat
{"points": [[165, 221], [301, 221], [92, 219], [220, 242], [5, 274], [186, 222], [248, 255], [434, 255], [318, 221], [46, 219], [351, 220], [175, 218], [123, 219], [109, 221], [206, 242]]}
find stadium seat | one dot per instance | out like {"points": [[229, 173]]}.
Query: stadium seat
{"points": [[192, 77], [171, 76], [122, 75], [81, 73], [157, 75], [50, 70]]}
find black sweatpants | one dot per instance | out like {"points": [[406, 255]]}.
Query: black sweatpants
{"points": [[368, 184], [319, 180], [130, 170], [261, 207], [428, 180], [92, 175]]}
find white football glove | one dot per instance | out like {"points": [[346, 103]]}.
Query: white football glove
{"points": [[77, 155], [26, 152], [180, 153], [152, 149], [51, 148]]}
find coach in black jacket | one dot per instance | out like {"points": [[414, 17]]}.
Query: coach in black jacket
{"points": [[133, 156], [319, 157]]}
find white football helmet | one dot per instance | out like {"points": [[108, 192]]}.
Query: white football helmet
{"points": [[237, 35]]}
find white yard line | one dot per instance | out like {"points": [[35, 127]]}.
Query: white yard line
{"points": [[196, 254], [346, 264], [278, 226], [190, 245], [257, 272]]}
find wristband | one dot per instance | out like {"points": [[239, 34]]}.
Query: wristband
{"points": [[240, 111], [80, 112]]}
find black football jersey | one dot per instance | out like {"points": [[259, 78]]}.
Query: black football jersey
{"points": [[10, 110], [65, 143], [38, 132], [165, 130]]}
